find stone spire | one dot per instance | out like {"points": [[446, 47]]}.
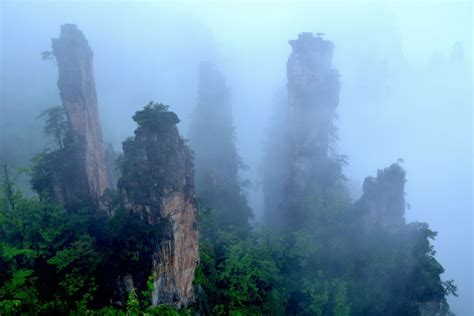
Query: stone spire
{"points": [[216, 159], [383, 199], [78, 94], [313, 95], [157, 184]]}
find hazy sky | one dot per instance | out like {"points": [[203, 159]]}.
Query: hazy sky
{"points": [[402, 93]]}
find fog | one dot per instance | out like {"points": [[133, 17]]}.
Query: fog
{"points": [[406, 88]]}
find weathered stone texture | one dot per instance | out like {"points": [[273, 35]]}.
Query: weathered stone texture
{"points": [[78, 94], [177, 258], [310, 166], [157, 183]]}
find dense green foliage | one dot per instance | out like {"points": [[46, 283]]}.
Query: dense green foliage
{"points": [[330, 267], [53, 260], [326, 261], [155, 117], [48, 255], [58, 259]]}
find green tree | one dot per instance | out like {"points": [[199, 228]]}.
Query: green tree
{"points": [[47, 255], [56, 124]]}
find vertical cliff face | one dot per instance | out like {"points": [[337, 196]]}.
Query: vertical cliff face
{"points": [[76, 84], [157, 185], [313, 95], [216, 158], [312, 99], [383, 199]]}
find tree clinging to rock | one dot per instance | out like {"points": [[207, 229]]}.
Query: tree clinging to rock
{"points": [[77, 171]]}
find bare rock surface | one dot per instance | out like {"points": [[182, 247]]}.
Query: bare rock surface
{"points": [[76, 84]]}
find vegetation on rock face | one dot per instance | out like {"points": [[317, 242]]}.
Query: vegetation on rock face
{"points": [[329, 255], [157, 187], [156, 138], [56, 124], [153, 116], [334, 265], [322, 254], [57, 260]]}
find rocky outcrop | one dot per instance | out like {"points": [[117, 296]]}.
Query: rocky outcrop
{"points": [[383, 200], [216, 159], [157, 185], [312, 167], [313, 95], [76, 84]]}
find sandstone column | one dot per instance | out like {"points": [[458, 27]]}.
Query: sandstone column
{"points": [[217, 162], [78, 94], [157, 184], [313, 95], [383, 200]]}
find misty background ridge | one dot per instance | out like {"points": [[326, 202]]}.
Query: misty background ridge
{"points": [[406, 88]]}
